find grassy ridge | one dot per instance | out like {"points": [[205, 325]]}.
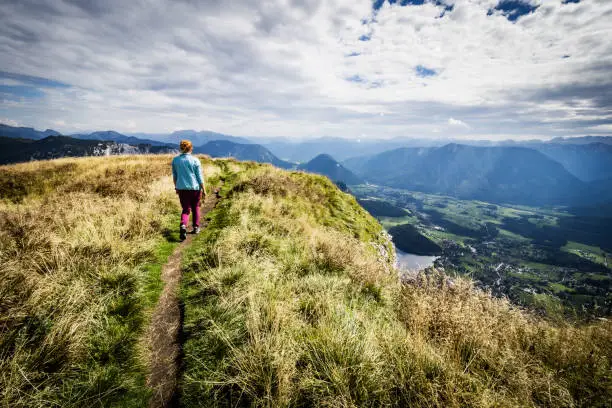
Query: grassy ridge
{"points": [[81, 244], [291, 300], [284, 262]]}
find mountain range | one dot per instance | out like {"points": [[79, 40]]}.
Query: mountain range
{"points": [[252, 152], [25, 132], [13, 150], [342, 149], [339, 148], [199, 138], [589, 162], [583, 140], [574, 171], [110, 135], [515, 175]]}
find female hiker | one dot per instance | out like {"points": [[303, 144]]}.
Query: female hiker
{"points": [[189, 185]]}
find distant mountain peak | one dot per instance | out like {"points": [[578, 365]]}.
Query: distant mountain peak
{"points": [[324, 157], [201, 137], [25, 132], [328, 166], [241, 151]]}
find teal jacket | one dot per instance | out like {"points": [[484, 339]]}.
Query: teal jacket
{"points": [[187, 172]]}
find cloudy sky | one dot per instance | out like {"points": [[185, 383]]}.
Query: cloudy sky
{"points": [[304, 68]]}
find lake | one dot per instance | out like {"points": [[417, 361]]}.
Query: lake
{"points": [[413, 262]]}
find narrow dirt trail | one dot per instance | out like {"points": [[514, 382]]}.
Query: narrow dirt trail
{"points": [[163, 333]]}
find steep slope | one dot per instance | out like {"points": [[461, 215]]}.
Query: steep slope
{"points": [[291, 300], [25, 132], [326, 165], [588, 162], [497, 174], [53, 147], [252, 152]]}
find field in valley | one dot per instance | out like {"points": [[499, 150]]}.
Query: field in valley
{"points": [[547, 258]]}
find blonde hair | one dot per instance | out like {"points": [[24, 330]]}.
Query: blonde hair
{"points": [[186, 146]]}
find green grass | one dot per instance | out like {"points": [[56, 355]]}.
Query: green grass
{"points": [[439, 236], [81, 251], [589, 252], [559, 288], [290, 300], [289, 303], [389, 222], [161, 253], [512, 236]]}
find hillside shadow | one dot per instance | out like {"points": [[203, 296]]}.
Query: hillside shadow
{"points": [[171, 235]]}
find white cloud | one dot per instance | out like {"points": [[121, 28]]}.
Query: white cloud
{"points": [[10, 122], [280, 67], [599, 128], [458, 123]]}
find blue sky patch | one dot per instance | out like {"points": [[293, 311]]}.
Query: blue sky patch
{"points": [[571, 1], [377, 4], [447, 9], [354, 54], [33, 81], [355, 78], [424, 72], [13, 92], [365, 37], [513, 9]]}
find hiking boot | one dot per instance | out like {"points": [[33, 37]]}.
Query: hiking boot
{"points": [[183, 233], [196, 230]]}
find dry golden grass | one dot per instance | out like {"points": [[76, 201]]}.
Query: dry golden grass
{"points": [[508, 349], [77, 241], [290, 300]]}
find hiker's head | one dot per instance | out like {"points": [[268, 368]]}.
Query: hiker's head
{"points": [[186, 146]]}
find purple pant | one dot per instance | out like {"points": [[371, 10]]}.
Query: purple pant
{"points": [[190, 200]]}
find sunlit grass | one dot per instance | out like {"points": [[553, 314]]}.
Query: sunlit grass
{"points": [[290, 299], [289, 303], [589, 252], [81, 247]]}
